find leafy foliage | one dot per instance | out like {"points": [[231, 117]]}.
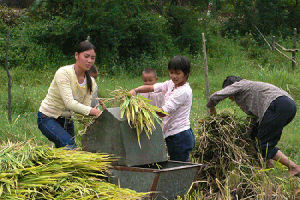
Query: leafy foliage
{"points": [[271, 17]]}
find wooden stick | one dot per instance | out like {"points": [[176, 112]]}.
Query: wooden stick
{"points": [[294, 47], [206, 70], [9, 78], [287, 50], [285, 55]]}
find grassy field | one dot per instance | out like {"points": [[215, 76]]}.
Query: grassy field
{"points": [[228, 58]]}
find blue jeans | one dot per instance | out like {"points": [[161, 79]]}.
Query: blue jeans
{"points": [[60, 130], [180, 145]]}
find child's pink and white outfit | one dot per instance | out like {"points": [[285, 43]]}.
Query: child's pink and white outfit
{"points": [[157, 99], [176, 127]]}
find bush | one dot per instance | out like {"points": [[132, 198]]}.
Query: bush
{"points": [[17, 3], [271, 17], [185, 28], [119, 29]]}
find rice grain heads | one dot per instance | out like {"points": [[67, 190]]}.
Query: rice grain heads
{"points": [[36, 172]]}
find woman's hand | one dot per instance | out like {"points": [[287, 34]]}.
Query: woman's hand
{"points": [[95, 112]]}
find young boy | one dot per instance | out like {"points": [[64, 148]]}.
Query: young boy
{"points": [[149, 78], [178, 95], [272, 107], [93, 71]]}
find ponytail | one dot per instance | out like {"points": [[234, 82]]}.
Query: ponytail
{"points": [[89, 82]]}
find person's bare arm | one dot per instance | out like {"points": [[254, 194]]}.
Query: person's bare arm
{"points": [[142, 89]]}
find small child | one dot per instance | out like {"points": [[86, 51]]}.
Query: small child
{"points": [[93, 71], [178, 134], [149, 78]]}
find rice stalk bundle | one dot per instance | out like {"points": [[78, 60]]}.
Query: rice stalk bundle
{"points": [[223, 144], [233, 168], [139, 113], [57, 174], [84, 122]]}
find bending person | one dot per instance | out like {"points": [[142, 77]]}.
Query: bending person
{"points": [[272, 107], [70, 91]]}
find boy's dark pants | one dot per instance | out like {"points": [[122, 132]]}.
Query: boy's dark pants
{"points": [[280, 112]]}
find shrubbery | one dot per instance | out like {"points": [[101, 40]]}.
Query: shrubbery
{"points": [[277, 17], [126, 32]]}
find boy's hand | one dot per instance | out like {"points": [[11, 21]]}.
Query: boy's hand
{"points": [[212, 111], [133, 92]]}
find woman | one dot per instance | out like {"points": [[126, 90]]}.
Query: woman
{"points": [[70, 91]]}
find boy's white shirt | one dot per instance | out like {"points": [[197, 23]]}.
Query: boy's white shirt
{"points": [[178, 103]]}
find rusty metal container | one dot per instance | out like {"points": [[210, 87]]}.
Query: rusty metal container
{"points": [[165, 180], [112, 134]]}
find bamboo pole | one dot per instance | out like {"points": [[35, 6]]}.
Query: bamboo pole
{"points": [[9, 78], [294, 47], [263, 37], [206, 70]]}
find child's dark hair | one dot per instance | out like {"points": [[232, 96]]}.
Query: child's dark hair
{"points": [[229, 80], [93, 69], [180, 63], [149, 70], [84, 46]]}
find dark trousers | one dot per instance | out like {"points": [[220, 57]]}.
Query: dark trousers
{"points": [[280, 112], [60, 130], [180, 145]]}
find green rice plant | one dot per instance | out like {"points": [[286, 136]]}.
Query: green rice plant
{"points": [[139, 113], [37, 172], [82, 123]]}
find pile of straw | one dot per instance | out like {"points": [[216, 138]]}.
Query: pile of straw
{"points": [[35, 172], [233, 169]]}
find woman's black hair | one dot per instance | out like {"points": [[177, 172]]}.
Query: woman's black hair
{"points": [[229, 80], [180, 63], [84, 46]]}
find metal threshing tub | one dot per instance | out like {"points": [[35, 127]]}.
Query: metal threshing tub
{"points": [[165, 180]]}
